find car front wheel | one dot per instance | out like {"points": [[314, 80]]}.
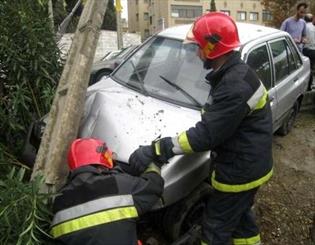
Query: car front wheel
{"points": [[183, 215]]}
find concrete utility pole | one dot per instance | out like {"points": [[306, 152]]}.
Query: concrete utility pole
{"points": [[67, 107], [118, 23]]}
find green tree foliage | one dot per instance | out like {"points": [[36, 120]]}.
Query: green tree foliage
{"points": [[280, 10], [60, 12], [63, 7], [212, 6], [24, 213], [69, 5], [30, 68], [312, 7], [109, 22]]}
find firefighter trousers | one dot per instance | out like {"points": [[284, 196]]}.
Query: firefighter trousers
{"points": [[228, 219]]}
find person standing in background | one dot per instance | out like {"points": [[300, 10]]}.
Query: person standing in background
{"points": [[296, 26], [309, 47]]}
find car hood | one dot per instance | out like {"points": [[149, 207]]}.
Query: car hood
{"points": [[126, 119]]}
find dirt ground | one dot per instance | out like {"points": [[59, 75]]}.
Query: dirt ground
{"points": [[285, 206]]}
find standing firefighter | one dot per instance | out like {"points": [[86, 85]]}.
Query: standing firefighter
{"points": [[100, 204], [235, 125]]}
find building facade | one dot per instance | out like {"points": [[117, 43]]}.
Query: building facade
{"points": [[250, 11], [150, 16], [138, 17]]}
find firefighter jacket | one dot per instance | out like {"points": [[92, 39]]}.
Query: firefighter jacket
{"points": [[101, 207], [236, 125]]}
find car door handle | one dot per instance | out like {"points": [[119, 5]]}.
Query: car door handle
{"points": [[295, 79]]}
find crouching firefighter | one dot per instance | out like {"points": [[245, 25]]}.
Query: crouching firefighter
{"points": [[235, 125], [100, 203]]}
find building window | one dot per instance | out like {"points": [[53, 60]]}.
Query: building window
{"points": [[227, 12], [137, 1], [253, 16], [151, 20], [241, 15], [266, 15], [145, 16], [183, 11], [137, 17]]}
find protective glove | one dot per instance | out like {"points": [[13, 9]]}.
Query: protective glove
{"points": [[140, 159], [159, 152], [163, 149]]}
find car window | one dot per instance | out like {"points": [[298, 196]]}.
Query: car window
{"points": [[297, 58], [281, 59], [258, 59], [292, 65], [168, 69]]}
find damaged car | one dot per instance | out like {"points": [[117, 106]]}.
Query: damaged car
{"points": [[159, 90]]}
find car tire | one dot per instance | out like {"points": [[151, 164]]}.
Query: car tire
{"points": [[289, 120], [311, 81], [181, 216]]}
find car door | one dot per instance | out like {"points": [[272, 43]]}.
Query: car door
{"points": [[286, 76], [258, 58]]}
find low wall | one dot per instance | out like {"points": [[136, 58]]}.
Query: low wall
{"points": [[106, 43]]}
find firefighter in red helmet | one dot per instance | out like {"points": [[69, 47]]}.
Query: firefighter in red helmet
{"points": [[235, 124], [100, 203]]}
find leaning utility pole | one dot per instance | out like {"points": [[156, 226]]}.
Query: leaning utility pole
{"points": [[118, 24], [67, 107]]}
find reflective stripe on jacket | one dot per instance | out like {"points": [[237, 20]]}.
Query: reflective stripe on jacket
{"points": [[101, 207], [96, 212], [236, 124]]}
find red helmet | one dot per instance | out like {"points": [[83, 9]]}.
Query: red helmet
{"points": [[215, 33], [88, 151]]}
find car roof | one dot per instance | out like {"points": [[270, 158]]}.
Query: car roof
{"points": [[247, 32]]}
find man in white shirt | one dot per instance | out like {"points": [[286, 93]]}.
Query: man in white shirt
{"points": [[309, 47]]}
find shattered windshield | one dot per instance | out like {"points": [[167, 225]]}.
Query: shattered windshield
{"points": [[167, 69]]}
